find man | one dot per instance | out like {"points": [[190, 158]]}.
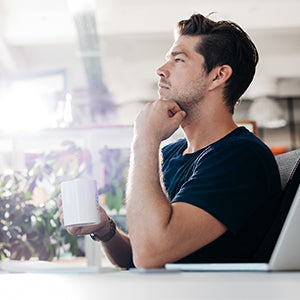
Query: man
{"points": [[220, 186]]}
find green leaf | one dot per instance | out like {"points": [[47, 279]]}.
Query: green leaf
{"points": [[114, 200]]}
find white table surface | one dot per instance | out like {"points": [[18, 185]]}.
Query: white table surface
{"points": [[128, 285]]}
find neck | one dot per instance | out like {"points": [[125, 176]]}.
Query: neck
{"points": [[207, 126]]}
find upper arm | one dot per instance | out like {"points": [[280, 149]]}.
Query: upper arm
{"points": [[189, 229]]}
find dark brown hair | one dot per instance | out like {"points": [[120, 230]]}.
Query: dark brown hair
{"points": [[224, 43]]}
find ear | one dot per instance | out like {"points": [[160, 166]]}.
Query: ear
{"points": [[220, 75]]}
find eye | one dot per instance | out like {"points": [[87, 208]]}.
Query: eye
{"points": [[179, 60]]}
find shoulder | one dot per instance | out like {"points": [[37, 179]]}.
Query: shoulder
{"points": [[241, 142], [239, 150], [174, 149]]}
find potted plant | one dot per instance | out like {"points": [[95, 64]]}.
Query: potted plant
{"points": [[29, 223]]}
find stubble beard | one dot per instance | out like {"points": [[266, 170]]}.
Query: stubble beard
{"points": [[188, 104], [188, 101], [187, 98]]}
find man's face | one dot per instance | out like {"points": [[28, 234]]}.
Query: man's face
{"points": [[183, 77]]}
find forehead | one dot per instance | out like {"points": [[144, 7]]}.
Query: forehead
{"points": [[186, 44]]}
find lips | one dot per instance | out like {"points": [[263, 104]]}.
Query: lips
{"points": [[163, 85]]}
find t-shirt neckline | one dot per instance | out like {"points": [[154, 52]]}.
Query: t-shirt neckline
{"points": [[232, 133]]}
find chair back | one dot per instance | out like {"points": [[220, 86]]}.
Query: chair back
{"points": [[289, 169], [286, 163]]}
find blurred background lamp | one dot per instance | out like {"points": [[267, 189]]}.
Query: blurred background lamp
{"points": [[267, 113]]}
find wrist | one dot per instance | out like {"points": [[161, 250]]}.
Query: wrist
{"points": [[105, 235], [145, 144]]}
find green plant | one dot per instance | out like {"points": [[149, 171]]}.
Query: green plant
{"points": [[115, 162], [29, 223]]}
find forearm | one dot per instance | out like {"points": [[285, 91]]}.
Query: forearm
{"points": [[118, 249], [148, 209]]}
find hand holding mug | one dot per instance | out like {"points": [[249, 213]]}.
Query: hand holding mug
{"points": [[79, 210]]}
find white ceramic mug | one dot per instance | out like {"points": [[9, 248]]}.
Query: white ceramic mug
{"points": [[80, 202]]}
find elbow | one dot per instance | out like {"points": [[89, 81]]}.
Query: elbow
{"points": [[148, 258], [147, 263]]}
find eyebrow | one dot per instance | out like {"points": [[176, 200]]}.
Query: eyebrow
{"points": [[174, 53]]}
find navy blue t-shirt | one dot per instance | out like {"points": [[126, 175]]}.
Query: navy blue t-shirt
{"points": [[236, 180]]}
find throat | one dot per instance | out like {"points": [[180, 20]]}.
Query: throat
{"points": [[203, 139]]}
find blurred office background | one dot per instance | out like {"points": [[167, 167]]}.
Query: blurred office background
{"points": [[81, 70], [93, 62]]}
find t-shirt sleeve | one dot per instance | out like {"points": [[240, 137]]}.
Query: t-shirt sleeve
{"points": [[228, 183]]}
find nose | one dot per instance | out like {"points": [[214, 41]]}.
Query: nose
{"points": [[163, 71]]}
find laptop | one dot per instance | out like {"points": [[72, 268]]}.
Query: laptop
{"points": [[285, 255]]}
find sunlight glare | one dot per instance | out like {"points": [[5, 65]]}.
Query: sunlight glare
{"points": [[22, 109]]}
